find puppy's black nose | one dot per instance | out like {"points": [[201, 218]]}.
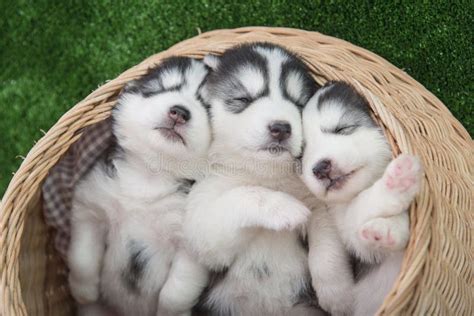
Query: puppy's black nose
{"points": [[280, 130], [179, 114], [322, 169]]}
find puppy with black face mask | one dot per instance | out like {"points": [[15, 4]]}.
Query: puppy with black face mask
{"points": [[346, 164], [128, 210], [244, 222]]}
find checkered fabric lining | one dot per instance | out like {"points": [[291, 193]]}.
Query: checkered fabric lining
{"points": [[58, 189]]}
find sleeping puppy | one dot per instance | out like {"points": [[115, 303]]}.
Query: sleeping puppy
{"points": [[346, 164], [243, 223], [128, 210]]}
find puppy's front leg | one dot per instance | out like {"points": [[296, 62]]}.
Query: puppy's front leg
{"points": [[218, 230], [381, 221], [271, 209], [186, 280], [329, 264], [85, 256]]}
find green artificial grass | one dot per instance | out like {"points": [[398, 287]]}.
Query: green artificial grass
{"points": [[54, 53]]}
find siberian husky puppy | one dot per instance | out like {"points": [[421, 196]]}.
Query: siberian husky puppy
{"points": [[128, 210], [346, 164], [244, 222]]}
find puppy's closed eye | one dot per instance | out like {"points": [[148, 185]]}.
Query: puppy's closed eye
{"points": [[243, 99], [344, 129], [238, 104]]}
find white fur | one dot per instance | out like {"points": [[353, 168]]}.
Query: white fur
{"points": [[244, 217], [187, 278], [366, 217], [368, 300], [141, 202], [252, 79]]}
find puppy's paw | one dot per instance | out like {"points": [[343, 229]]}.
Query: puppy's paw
{"points": [[336, 299], [403, 175], [390, 233], [84, 292], [284, 212]]}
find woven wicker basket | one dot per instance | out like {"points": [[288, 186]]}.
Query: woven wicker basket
{"points": [[437, 272]]}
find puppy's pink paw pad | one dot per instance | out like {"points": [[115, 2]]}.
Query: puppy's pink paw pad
{"points": [[382, 233], [372, 235], [403, 173]]}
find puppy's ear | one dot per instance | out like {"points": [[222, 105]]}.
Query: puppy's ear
{"points": [[212, 61], [131, 87]]}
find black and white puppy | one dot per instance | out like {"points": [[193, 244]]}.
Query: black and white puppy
{"points": [[244, 221], [128, 210], [346, 164]]}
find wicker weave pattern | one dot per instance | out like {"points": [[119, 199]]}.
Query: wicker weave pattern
{"points": [[437, 273]]}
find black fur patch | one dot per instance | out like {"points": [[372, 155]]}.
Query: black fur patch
{"points": [[345, 93], [110, 156], [359, 268], [199, 96], [224, 81], [203, 102], [216, 277], [309, 86], [151, 83], [304, 242], [185, 185], [356, 107], [136, 266], [307, 295]]}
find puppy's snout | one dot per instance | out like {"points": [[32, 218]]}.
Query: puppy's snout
{"points": [[280, 130], [179, 114], [322, 169]]}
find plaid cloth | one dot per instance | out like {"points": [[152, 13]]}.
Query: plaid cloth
{"points": [[58, 189]]}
